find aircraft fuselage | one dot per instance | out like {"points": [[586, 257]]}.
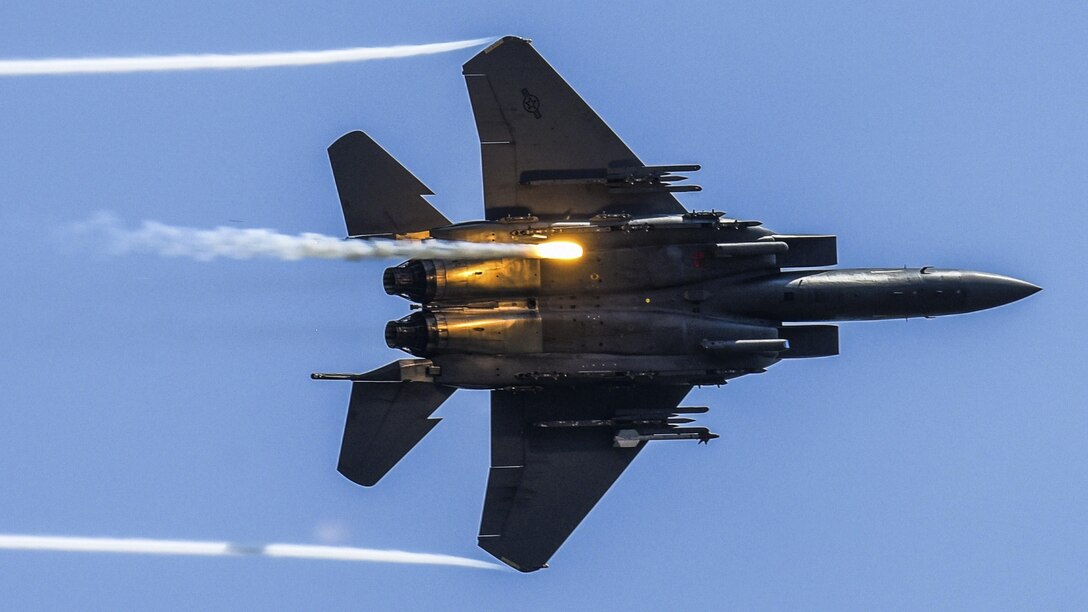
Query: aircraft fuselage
{"points": [[692, 299]]}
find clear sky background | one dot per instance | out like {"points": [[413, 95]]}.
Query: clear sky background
{"points": [[935, 464]]}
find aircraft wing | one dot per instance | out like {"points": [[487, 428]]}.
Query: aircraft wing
{"points": [[545, 152], [553, 456]]}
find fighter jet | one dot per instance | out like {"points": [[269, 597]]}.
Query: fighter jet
{"points": [[590, 350]]}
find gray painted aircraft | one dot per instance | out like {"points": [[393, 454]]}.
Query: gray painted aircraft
{"points": [[587, 357]]}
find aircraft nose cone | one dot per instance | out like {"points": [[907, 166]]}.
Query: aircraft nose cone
{"points": [[986, 290]]}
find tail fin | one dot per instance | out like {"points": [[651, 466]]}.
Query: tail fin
{"points": [[378, 194], [386, 419]]}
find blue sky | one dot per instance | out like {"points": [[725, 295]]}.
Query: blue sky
{"points": [[934, 464]]}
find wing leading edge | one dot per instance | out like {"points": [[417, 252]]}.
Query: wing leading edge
{"points": [[545, 152], [553, 456]]}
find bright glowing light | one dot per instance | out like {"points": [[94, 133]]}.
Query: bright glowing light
{"points": [[558, 250]]}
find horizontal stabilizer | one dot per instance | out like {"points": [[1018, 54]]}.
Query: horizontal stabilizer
{"points": [[808, 251], [810, 340], [401, 370], [379, 195], [385, 421]]}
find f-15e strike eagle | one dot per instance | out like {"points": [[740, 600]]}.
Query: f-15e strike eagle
{"points": [[587, 358]]}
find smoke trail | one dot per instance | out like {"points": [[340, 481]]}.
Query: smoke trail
{"points": [[226, 549], [238, 243], [159, 63]]}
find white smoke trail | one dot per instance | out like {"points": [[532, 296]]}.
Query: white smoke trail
{"points": [[238, 243], [226, 549], [160, 63]]}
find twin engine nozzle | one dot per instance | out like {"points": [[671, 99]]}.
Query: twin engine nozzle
{"points": [[434, 281], [410, 280], [426, 280], [412, 333], [485, 332]]}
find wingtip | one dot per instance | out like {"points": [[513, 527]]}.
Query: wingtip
{"points": [[505, 39]]}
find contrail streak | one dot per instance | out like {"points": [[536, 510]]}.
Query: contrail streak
{"points": [[226, 549], [161, 63], [238, 243]]}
